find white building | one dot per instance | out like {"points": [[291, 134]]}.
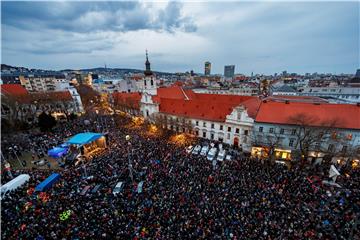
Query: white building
{"points": [[287, 128], [343, 94]]}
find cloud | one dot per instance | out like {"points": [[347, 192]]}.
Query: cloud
{"points": [[85, 17]]}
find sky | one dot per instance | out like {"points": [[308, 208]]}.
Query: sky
{"points": [[260, 37]]}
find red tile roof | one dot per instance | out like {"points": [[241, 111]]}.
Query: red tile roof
{"points": [[51, 96], [129, 99], [341, 115], [13, 89], [213, 107]]}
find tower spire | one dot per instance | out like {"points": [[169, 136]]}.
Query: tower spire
{"points": [[147, 71]]}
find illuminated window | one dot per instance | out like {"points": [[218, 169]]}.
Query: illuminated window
{"points": [[334, 135]]}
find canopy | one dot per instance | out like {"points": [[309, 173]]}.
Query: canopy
{"points": [[47, 183], [84, 138], [58, 152]]}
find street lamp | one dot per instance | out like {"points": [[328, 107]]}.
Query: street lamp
{"points": [[130, 166], [13, 150]]}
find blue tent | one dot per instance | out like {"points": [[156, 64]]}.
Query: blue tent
{"points": [[84, 138], [47, 183], [58, 152]]}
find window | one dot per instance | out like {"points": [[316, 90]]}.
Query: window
{"points": [[144, 82], [282, 131], [197, 133], [147, 113], [333, 135], [229, 129], [271, 130], [349, 136], [197, 123], [261, 129], [245, 140], [212, 136], [152, 82], [228, 136], [293, 132], [344, 148], [237, 130], [183, 129], [291, 142], [221, 127], [221, 139], [246, 132], [204, 124], [204, 134], [212, 125], [177, 129]]}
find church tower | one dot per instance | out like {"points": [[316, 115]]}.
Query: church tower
{"points": [[149, 81], [149, 89]]}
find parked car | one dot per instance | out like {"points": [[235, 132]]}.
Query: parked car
{"points": [[229, 157], [221, 155], [204, 150], [189, 149], [212, 153], [196, 150], [118, 188]]}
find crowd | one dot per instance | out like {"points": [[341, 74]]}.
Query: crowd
{"points": [[183, 196]]}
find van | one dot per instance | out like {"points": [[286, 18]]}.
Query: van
{"points": [[221, 155], [118, 188], [196, 150], [204, 150], [211, 154]]}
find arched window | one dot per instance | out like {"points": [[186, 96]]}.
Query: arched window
{"points": [[152, 82], [145, 82]]}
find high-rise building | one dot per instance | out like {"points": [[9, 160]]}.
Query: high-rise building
{"points": [[229, 71], [207, 68]]}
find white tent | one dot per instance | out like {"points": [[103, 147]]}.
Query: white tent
{"points": [[333, 173]]}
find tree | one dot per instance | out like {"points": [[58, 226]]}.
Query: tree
{"points": [[269, 142], [311, 133], [46, 121]]}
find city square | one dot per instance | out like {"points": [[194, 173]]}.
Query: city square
{"points": [[186, 147]]}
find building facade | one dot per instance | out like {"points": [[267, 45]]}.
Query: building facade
{"points": [[229, 71], [207, 70]]}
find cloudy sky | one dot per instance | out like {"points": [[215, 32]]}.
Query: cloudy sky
{"points": [[259, 37]]}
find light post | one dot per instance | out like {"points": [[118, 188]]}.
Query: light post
{"points": [[13, 150], [127, 137]]}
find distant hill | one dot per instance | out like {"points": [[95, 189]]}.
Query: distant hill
{"points": [[5, 67]]}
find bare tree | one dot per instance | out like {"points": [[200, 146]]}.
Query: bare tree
{"points": [[269, 141], [311, 133]]}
